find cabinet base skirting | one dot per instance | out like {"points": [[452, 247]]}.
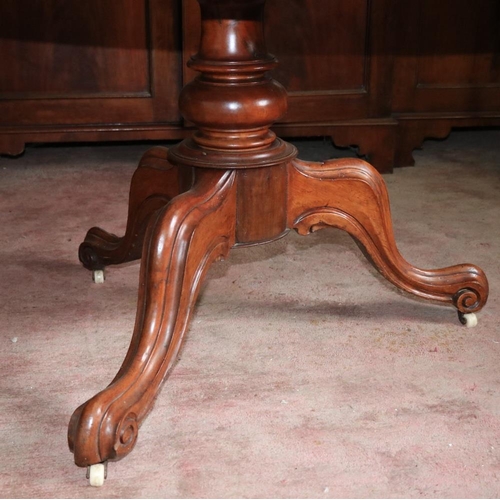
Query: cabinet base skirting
{"points": [[386, 143], [413, 130], [374, 138], [14, 140]]}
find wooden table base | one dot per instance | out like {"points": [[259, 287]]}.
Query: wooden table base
{"points": [[233, 183]]}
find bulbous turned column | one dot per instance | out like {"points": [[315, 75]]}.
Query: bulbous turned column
{"points": [[233, 102]]}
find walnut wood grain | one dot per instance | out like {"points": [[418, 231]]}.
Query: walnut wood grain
{"points": [[261, 205]]}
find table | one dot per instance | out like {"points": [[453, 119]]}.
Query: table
{"points": [[233, 183]]}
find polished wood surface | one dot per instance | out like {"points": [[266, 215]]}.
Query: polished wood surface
{"points": [[379, 75], [70, 54], [446, 70], [87, 71], [232, 183]]}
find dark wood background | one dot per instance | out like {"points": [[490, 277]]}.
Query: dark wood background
{"points": [[381, 75]]}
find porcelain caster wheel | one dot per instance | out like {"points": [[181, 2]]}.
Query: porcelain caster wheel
{"points": [[96, 474], [469, 320], [98, 276]]}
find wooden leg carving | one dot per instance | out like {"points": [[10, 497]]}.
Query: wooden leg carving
{"points": [[182, 240], [154, 184], [235, 183], [351, 195]]}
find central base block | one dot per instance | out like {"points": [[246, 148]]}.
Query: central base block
{"points": [[261, 202], [261, 180]]}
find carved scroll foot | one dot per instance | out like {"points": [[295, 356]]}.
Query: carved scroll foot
{"points": [[154, 184], [182, 240], [351, 195]]}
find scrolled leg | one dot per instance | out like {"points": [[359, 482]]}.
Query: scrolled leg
{"points": [[351, 195], [195, 229], [154, 184]]}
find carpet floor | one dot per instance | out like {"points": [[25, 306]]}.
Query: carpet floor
{"points": [[303, 374]]}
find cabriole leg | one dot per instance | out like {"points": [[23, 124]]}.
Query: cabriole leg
{"points": [[182, 240], [154, 184], [351, 195]]}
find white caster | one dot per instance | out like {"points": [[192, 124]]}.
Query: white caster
{"points": [[469, 320], [96, 474], [98, 276]]}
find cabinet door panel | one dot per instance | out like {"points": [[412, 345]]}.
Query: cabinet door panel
{"points": [[84, 48], [67, 62], [452, 57], [468, 54], [314, 55]]}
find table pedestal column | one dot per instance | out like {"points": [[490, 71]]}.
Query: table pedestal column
{"points": [[233, 183]]}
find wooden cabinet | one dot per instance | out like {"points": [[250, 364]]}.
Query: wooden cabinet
{"points": [[93, 70], [446, 70], [378, 74]]}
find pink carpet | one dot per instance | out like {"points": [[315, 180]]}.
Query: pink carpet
{"points": [[303, 374]]}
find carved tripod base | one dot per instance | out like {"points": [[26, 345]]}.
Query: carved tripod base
{"points": [[233, 183], [187, 232]]}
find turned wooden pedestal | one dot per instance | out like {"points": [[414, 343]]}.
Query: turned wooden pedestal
{"points": [[233, 183]]}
